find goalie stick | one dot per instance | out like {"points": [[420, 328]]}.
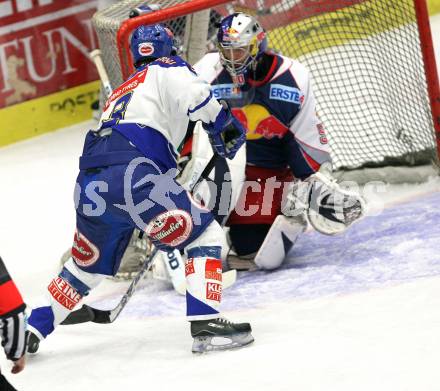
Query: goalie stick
{"points": [[90, 314], [95, 55]]}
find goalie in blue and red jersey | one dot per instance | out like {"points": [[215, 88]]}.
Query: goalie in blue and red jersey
{"points": [[288, 165]]}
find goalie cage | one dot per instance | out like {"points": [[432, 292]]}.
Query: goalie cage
{"points": [[372, 64]]}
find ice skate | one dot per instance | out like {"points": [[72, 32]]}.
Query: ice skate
{"points": [[219, 334], [33, 342]]}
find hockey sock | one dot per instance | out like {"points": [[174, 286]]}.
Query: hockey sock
{"points": [[63, 293], [203, 271]]}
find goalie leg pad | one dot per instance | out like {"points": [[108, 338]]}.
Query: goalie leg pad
{"points": [[174, 268], [134, 256], [279, 240]]}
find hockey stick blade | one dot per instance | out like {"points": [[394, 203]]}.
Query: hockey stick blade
{"points": [[88, 314]]}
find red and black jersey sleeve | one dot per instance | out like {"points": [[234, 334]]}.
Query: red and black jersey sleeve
{"points": [[11, 301], [12, 317]]}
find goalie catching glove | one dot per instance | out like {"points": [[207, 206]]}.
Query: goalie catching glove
{"points": [[226, 134], [329, 208]]}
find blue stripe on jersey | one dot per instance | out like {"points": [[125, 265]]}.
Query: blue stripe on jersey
{"points": [[286, 93], [199, 106], [82, 288]]}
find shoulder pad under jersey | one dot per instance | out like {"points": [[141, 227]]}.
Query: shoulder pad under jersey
{"points": [[172, 62]]}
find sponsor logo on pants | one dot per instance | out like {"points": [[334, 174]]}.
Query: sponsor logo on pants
{"points": [[171, 228], [84, 252], [64, 293]]}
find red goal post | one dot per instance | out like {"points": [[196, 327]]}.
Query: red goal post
{"points": [[173, 12], [430, 64], [372, 63]]}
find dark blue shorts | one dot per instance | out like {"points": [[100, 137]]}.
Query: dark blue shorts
{"points": [[111, 201]]}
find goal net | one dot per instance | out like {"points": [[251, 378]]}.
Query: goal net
{"points": [[375, 87]]}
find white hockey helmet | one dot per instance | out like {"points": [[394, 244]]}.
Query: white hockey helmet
{"points": [[241, 41]]}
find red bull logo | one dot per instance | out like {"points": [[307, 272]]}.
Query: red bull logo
{"points": [[231, 31], [259, 122], [230, 34]]}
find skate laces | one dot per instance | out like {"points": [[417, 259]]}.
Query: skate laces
{"points": [[223, 320]]}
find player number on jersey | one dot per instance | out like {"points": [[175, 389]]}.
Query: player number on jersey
{"points": [[119, 110]]}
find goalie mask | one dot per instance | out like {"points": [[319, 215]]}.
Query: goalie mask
{"points": [[152, 41], [241, 41]]}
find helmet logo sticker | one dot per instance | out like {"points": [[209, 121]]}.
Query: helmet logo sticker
{"points": [[146, 49], [261, 35], [230, 34]]}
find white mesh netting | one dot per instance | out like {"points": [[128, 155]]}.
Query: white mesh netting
{"points": [[364, 57]]}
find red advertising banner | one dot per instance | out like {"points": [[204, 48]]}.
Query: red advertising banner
{"points": [[44, 46]]}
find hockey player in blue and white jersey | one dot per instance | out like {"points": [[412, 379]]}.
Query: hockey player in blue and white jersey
{"points": [[288, 160], [127, 180]]}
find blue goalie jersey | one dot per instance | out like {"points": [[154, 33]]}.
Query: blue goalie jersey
{"points": [[283, 129]]}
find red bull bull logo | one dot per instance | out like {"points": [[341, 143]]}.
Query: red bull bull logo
{"points": [[259, 122], [230, 34], [231, 31]]}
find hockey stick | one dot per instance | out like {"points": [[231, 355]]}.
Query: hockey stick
{"points": [[95, 55], [90, 314]]}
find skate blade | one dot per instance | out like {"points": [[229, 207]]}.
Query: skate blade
{"points": [[215, 343]]}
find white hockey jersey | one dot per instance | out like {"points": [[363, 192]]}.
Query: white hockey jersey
{"points": [[164, 96]]}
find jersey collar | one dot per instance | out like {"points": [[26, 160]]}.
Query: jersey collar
{"points": [[274, 66]]}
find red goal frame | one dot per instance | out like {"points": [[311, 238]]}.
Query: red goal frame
{"points": [[175, 11], [430, 65], [182, 9]]}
